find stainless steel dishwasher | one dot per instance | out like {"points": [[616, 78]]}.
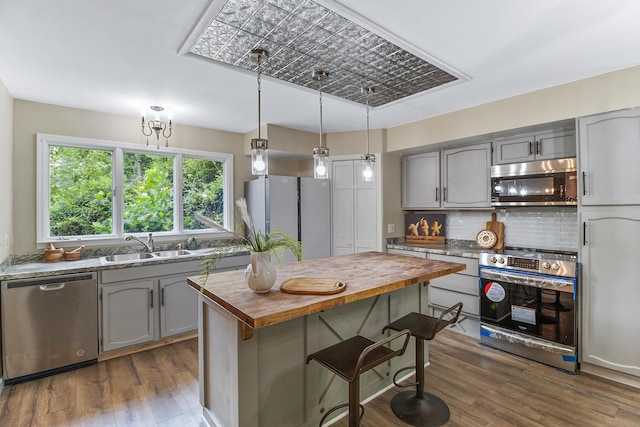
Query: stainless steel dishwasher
{"points": [[50, 325]]}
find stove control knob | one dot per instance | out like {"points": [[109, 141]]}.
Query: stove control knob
{"points": [[494, 259], [546, 265], [500, 260], [555, 266]]}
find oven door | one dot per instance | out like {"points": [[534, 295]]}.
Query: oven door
{"points": [[531, 304]]}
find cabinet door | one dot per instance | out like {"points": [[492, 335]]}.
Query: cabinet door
{"points": [[127, 314], [555, 145], [342, 213], [178, 306], [610, 289], [514, 150], [609, 153], [467, 177], [421, 181]]}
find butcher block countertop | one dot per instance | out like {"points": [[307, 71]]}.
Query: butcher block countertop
{"points": [[367, 274]]}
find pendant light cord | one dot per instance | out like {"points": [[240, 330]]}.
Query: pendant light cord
{"points": [[320, 90], [366, 98], [259, 90]]}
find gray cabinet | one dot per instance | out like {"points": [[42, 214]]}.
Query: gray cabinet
{"points": [[466, 177], [463, 286], [127, 314], [536, 146], [149, 303], [609, 156], [610, 292], [421, 181], [452, 178], [178, 306]]}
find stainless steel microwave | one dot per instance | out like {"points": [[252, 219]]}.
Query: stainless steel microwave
{"points": [[539, 183]]}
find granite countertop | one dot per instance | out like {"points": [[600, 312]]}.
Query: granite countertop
{"points": [[39, 268], [461, 248]]}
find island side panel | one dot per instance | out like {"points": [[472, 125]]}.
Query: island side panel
{"points": [[271, 384]]}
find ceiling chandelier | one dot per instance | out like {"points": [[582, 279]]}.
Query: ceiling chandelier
{"points": [[259, 146], [320, 154], [368, 159], [156, 125]]}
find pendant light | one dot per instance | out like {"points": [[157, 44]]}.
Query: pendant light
{"points": [[259, 146], [320, 154], [368, 159]]}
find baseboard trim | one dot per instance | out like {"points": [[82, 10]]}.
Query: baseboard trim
{"points": [[148, 346]]}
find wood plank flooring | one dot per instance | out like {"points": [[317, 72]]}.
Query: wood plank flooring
{"points": [[482, 386]]}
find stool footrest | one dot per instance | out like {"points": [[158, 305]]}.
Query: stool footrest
{"points": [[403, 385], [342, 405], [429, 411]]}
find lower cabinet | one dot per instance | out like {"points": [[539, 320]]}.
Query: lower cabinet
{"points": [[458, 287], [145, 304]]}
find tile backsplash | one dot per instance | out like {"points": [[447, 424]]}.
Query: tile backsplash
{"points": [[554, 228]]}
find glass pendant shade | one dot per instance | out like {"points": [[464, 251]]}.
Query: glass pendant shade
{"points": [[259, 157], [368, 161], [321, 163]]}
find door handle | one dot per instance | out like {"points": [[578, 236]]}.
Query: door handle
{"points": [[55, 287]]}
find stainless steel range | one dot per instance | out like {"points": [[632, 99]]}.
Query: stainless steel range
{"points": [[528, 305]]}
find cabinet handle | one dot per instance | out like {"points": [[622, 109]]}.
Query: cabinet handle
{"points": [[151, 298], [584, 183], [444, 194], [584, 233], [437, 194], [162, 297], [538, 147], [530, 148]]}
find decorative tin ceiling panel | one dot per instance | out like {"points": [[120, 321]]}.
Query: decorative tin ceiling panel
{"points": [[302, 36]]}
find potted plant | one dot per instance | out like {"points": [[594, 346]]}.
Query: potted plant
{"points": [[260, 273]]}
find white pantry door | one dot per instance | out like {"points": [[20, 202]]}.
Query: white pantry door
{"points": [[354, 209]]}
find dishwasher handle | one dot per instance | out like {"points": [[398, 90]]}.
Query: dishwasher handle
{"points": [[56, 287]]}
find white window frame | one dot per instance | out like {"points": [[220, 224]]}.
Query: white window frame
{"points": [[45, 141]]}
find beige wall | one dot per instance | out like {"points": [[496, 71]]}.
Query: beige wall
{"points": [[31, 118], [6, 173], [606, 92]]}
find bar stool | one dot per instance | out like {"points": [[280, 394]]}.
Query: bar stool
{"points": [[348, 359], [420, 408]]}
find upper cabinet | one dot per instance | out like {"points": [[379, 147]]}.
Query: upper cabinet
{"points": [[535, 146], [609, 146], [421, 181], [453, 178]]}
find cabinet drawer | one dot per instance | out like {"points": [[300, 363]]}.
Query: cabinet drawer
{"points": [[471, 263], [444, 298], [408, 253], [458, 283]]}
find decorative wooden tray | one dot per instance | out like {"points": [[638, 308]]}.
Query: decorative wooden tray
{"points": [[313, 286]]}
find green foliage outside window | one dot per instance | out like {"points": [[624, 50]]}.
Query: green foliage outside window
{"points": [[80, 192], [202, 192]]}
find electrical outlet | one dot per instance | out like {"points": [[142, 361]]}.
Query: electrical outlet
{"points": [[391, 228]]}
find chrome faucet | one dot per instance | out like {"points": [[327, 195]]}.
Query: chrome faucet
{"points": [[148, 244]]}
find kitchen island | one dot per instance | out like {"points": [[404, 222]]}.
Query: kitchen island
{"points": [[252, 347]]}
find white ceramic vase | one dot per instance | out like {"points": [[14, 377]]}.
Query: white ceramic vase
{"points": [[260, 274]]}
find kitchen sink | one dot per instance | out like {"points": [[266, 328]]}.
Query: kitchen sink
{"points": [[169, 254], [127, 257]]}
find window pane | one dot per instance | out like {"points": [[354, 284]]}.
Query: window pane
{"points": [[80, 202], [148, 193], [202, 192]]}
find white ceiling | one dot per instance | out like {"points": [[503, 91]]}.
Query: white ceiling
{"points": [[119, 56]]}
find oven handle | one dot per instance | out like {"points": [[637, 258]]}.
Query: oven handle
{"points": [[523, 279], [516, 338]]}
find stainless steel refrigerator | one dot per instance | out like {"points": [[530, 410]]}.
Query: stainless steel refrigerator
{"points": [[298, 206]]}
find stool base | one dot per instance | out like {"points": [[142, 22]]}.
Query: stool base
{"points": [[429, 411]]}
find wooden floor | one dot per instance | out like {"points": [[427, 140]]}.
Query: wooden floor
{"points": [[482, 386]]}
